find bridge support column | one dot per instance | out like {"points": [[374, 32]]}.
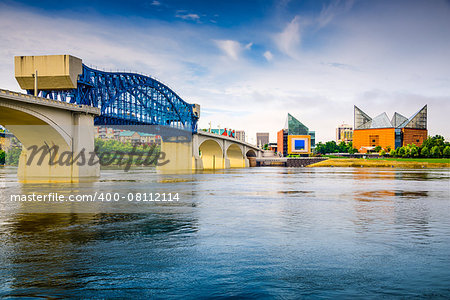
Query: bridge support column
{"points": [[48, 156], [177, 155], [246, 161], [197, 163], [226, 160]]}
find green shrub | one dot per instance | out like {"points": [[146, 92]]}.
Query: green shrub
{"points": [[435, 151], [414, 151], [401, 152], [382, 153], [377, 149], [392, 153], [446, 151], [425, 152]]}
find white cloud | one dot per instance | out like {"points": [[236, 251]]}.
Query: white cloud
{"points": [[268, 55], [335, 8], [288, 41], [156, 3], [232, 49], [187, 16]]}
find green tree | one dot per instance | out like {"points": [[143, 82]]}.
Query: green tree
{"points": [[12, 156], [377, 149], [2, 157], [446, 151], [437, 140], [435, 151], [342, 147], [382, 153], [425, 152], [392, 153], [352, 150]]}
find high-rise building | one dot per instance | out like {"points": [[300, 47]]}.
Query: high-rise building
{"points": [[262, 138], [344, 133], [295, 138], [396, 132], [240, 135]]}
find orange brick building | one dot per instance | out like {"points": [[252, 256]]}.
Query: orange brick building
{"points": [[380, 131]]}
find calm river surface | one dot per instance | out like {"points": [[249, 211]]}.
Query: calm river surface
{"points": [[255, 233]]}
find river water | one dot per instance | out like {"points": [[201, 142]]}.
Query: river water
{"points": [[254, 233]]}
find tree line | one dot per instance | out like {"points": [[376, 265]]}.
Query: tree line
{"points": [[11, 157], [432, 147]]}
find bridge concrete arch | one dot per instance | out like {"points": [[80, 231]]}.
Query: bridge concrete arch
{"points": [[211, 155], [49, 125], [235, 156], [205, 150], [31, 126]]}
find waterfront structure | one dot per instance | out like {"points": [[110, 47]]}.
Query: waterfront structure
{"points": [[240, 135], [106, 133], [139, 138], [262, 138], [4, 142], [344, 133], [388, 133], [273, 147], [295, 138], [7, 140]]}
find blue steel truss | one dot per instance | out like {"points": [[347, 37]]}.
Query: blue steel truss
{"points": [[128, 99]]}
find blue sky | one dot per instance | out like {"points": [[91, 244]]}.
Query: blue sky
{"points": [[249, 63]]}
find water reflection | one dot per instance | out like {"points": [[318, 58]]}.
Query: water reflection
{"points": [[261, 232], [57, 252]]}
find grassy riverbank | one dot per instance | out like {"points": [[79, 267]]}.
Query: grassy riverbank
{"points": [[412, 163]]}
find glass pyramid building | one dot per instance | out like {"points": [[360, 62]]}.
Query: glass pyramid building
{"points": [[295, 127], [416, 121]]}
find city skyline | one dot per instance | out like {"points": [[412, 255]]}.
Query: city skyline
{"points": [[247, 70]]}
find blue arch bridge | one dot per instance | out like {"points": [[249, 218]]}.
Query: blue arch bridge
{"points": [[65, 99]]}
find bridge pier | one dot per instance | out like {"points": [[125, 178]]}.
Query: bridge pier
{"points": [[177, 156], [57, 138]]}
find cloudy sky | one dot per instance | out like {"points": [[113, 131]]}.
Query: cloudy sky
{"points": [[249, 63]]}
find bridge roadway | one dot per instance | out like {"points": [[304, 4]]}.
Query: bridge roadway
{"points": [[42, 122]]}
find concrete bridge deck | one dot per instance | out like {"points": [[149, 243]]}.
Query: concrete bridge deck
{"points": [[25, 98]]}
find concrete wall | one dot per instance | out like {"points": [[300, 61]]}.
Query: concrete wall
{"points": [[303, 162], [55, 72], [45, 127]]}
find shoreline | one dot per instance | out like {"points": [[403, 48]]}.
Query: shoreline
{"points": [[379, 163]]}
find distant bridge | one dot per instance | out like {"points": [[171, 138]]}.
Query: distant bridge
{"points": [[71, 98]]}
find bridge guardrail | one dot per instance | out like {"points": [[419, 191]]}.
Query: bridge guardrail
{"points": [[50, 102]]}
